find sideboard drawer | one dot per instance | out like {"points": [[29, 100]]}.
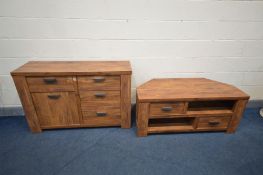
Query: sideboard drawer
{"points": [[50, 84], [216, 123], [100, 97], [99, 83], [157, 109], [87, 104], [101, 112]]}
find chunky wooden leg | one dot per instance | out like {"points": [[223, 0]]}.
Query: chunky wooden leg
{"points": [[26, 100], [238, 113], [125, 101], [142, 118]]}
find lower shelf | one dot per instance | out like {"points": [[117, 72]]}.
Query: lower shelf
{"points": [[170, 125], [162, 129], [188, 124]]}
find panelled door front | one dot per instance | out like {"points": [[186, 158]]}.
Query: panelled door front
{"points": [[56, 109]]}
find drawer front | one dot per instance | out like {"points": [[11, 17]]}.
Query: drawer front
{"points": [[99, 83], [158, 109], [50, 84], [213, 123], [108, 98], [94, 104], [94, 111]]}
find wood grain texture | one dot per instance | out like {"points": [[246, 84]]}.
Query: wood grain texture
{"points": [[90, 104], [196, 114], [195, 122], [59, 111], [38, 84], [221, 122], [27, 103], [53, 68], [167, 129], [78, 103], [238, 113], [174, 129], [202, 105], [92, 109], [108, 98], [142, 119], [187, 89], [92, 122], [125, 101], [210, 112], [158, 109], [75, 94], [108, 83]]}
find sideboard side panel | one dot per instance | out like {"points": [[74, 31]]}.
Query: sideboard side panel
{"points": [[27, 103], [125, 101]]}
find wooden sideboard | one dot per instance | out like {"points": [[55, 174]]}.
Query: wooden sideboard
{"points": [[188, 105], [68, 94]]}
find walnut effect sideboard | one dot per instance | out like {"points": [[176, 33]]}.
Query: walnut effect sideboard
{"points": [[69, 94]]}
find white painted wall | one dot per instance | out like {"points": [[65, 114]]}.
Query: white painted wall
{"points": [[221, 40]]}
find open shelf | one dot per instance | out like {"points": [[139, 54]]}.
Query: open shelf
{"points": [[170, 124], [211, 107]]}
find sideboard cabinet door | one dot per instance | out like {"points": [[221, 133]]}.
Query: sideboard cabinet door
{"points": [[56, 109]]}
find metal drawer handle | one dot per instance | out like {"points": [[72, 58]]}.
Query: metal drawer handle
{"points": [[167, 108], [50, 80], [100, 94], [99, 79], [101, 114], [54, 97], [213, 123]]}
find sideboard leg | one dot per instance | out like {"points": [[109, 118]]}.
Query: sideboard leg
{"points": [[238, 113], [142, 119], [125, 101], [26, 100]]}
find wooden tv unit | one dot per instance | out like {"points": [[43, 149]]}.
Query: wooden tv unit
{"points": [[188, 105]]}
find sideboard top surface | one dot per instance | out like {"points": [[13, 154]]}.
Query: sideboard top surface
{"points": [[187, 89], [38, 68]]}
